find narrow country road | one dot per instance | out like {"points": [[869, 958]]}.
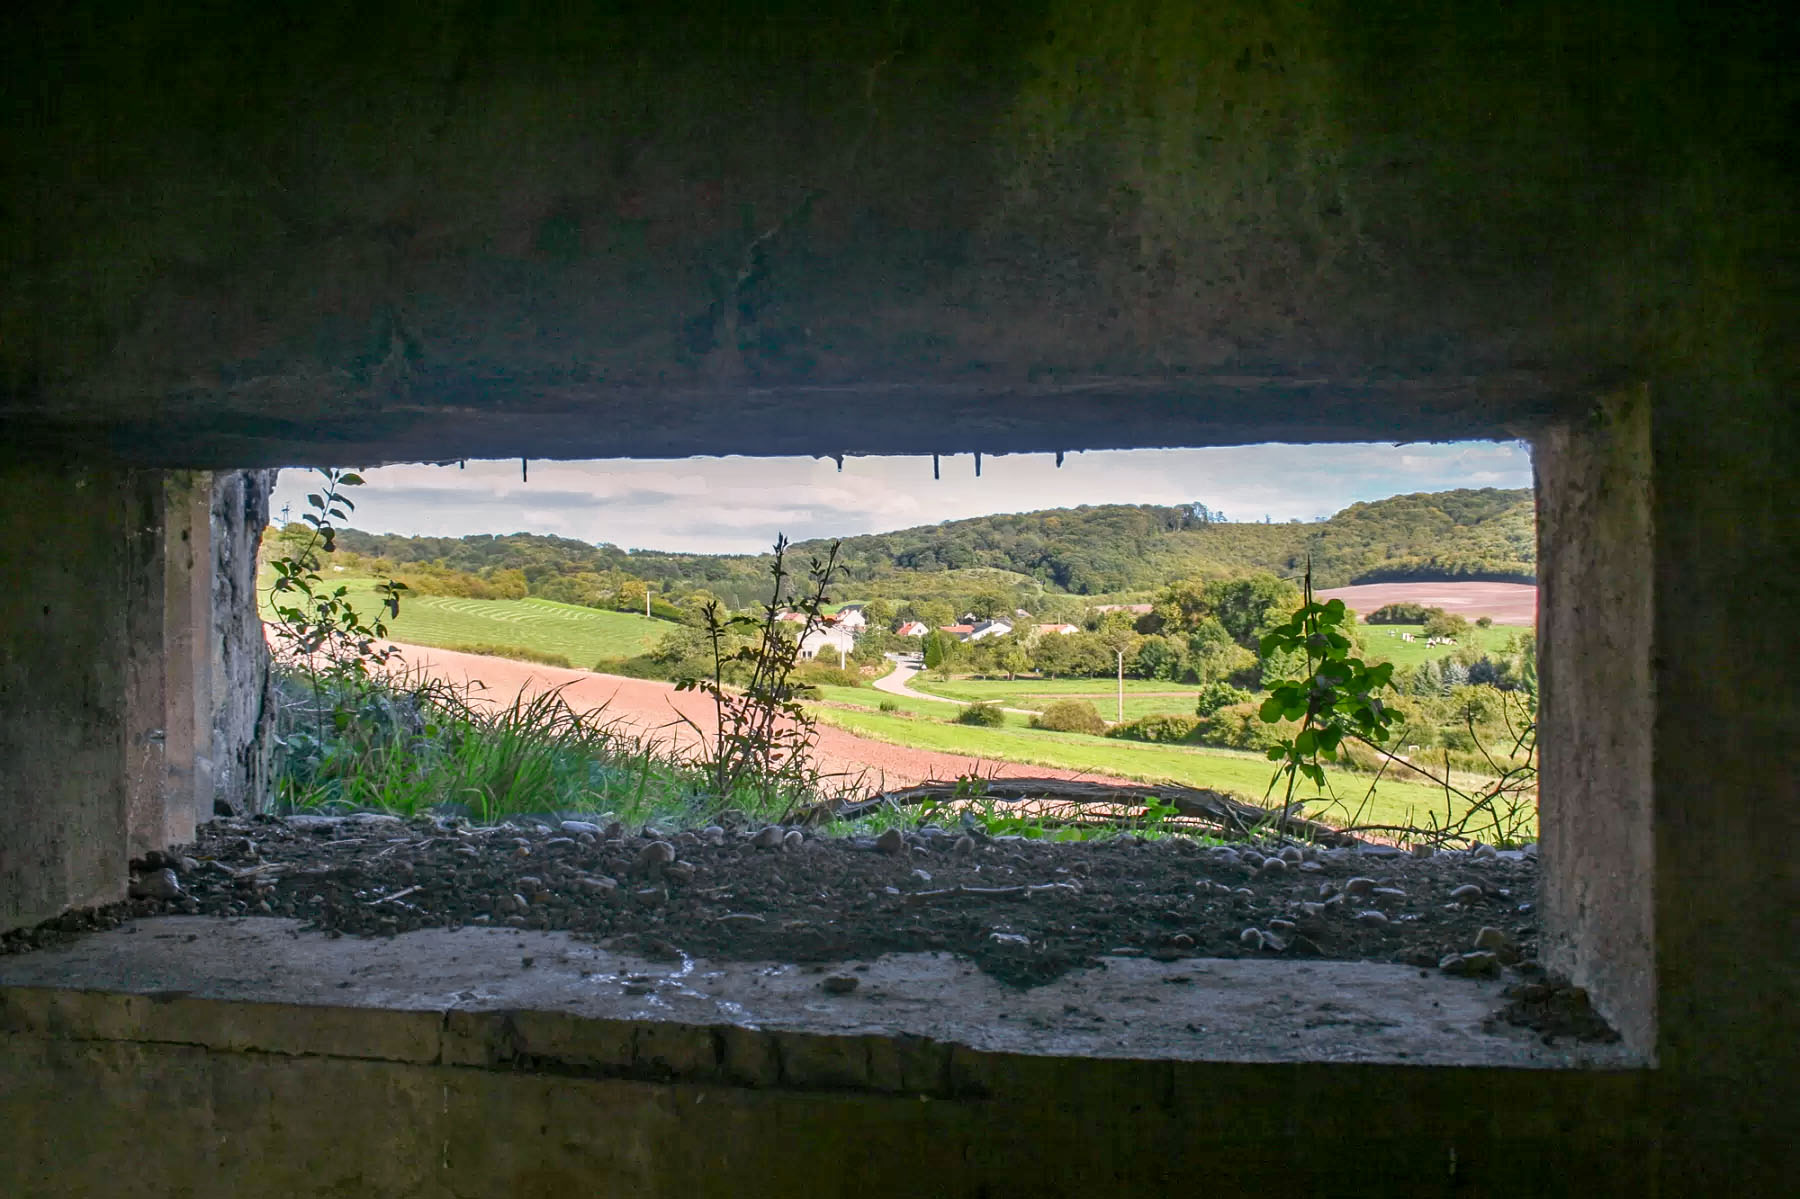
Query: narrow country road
{"points": [[899, 682]]}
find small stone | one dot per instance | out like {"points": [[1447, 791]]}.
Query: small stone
{"points": [[1251, 938], [768, 837], [839, 984], [1358, 885], [1273, 866], [1251, 858], [891, 841], [598, 884], [1471, 964], [1292, 856], [1000, 938], [578, 827], [1467, 893], [530, 882], [712, 834], [1181, 941], [1494, 939], [517, 922], [1282, 926], [1244, 893], [613, 831], [1274, 942], [653, 857], [1327, 890], [1387, 894], [1312, 867], [793, 839], [158, 884], [1480, 851], [923, 876], [519, 903], [679, 872], [965, 845], [1421, 850], [1373, 918]]}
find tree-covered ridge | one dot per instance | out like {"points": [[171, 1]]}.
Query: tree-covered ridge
{"points": [[1105, 550]]}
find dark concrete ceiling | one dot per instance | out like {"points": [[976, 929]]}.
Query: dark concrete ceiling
{"points": [[238, 233]]}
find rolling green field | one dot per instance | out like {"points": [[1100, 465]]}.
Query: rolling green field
{"points": [[1245, 774], [582, 635], [1382, 643]]}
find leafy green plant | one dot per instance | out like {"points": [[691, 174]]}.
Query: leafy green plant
{"points": [[1336, 699], [1336, 704], [762, 740], [318, 628]]}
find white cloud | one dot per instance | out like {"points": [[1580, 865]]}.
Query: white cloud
{"points": [[737, 505]]}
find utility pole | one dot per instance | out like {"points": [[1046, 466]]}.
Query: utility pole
{"points": [[646, 601], [1121, 654]]}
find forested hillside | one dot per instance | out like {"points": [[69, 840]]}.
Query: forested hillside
{"points": [[1112, 550]]}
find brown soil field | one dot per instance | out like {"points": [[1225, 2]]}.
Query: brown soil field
{"points": [[1506, 603]]}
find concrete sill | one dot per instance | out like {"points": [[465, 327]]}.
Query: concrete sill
{"points": [[915, 1025]]}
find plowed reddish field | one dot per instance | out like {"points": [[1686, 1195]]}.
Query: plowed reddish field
{"points": [[1507, 603]]}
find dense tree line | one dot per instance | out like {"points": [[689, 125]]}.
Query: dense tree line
{"points": [[1049, 563]]}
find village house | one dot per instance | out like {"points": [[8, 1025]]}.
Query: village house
{"points": [[912, 628], [1061, 630], [989, 628], [828, 640]]}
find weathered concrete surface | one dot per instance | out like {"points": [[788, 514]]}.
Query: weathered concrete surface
{"points": [[243, 713], [407, 230], [184, 979], [454, 1068], [64, 612], [1597, 573]]}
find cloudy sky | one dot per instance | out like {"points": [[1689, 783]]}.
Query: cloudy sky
{"points": [[737, 505]]}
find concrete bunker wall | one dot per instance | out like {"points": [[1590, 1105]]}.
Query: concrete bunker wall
{"points": [[133, 674]]}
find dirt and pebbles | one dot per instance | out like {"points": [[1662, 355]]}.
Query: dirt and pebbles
{"points": [[1023, 911]]}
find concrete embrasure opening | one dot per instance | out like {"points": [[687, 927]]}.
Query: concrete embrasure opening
{"points": [[1128, 949]]}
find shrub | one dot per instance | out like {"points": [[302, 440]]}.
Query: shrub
{"points": [[1163, 728], [516, 652], [1070, 716], [1443, 624], [643, 666], [987, 716], [888, 705], [1484, 622], [1214, 696], [1401, 614], [1240, 726], [821, 674]]}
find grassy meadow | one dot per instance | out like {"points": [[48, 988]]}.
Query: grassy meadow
{"points": [[1382, 642], [582, 635], [1245, 774]]}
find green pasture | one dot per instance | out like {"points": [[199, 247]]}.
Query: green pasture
{"points": [[1142, 697], [582, 635], [1383, 643]]}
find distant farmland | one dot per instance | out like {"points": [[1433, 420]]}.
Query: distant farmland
{"points": [[582, 635], [1507, 603]]}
